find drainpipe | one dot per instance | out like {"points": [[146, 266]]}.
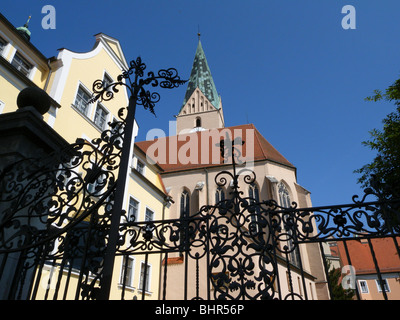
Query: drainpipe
{"points": [[48, 76], [207, 196]]}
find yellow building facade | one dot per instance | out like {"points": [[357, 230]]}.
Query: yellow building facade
{"points": [[68, 79], [21, 65]]}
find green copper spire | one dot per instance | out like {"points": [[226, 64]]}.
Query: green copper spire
{"points": [[201, 78], [24, 31]]}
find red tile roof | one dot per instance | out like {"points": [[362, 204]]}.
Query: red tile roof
{"points": [[173, 260], [201, 149], [361, 258]]}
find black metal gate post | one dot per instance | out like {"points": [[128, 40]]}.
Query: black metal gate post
{"points": [[109, 257], [138, 95]]}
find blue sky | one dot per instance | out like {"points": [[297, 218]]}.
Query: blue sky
{"points": [[287, 66]]}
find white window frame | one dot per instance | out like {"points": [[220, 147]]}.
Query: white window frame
{"points": [[138, 207], [107, 114], [148, 278], [378, 285], [143, 168], [22, 57], [87, 92], [132, 272], [365, 289], [107, 80], [152, 214]]}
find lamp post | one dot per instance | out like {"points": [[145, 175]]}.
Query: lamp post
{"points": [[134, 80]]}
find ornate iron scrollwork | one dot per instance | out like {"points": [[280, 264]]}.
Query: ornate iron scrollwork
{"points": [[63, 211], [166, 78], [58, 191], [70, 197], [46, 202], [242, 265]]}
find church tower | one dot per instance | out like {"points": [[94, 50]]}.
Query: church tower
{"points": [[202, 107]]}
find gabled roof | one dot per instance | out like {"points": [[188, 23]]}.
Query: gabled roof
{"points": [[201, 78], [201, 149], [114, 47], [360, 253]]}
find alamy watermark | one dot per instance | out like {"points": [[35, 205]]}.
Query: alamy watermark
{"points": [[49, 20], [349, 280], [202, 147], [349, 20]]}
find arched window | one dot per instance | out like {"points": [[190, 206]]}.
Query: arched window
{"points": [[198, 122], [293, 251], [284, 197], [253, 192], [185, 204], [219, 195]]}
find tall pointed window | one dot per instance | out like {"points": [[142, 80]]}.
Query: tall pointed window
{"points": [[219, 195], [255, 217], [284, 197], [185, 204], [293, 250]]}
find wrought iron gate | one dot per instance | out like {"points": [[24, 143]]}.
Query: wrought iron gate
{"points": [[62, 226]]}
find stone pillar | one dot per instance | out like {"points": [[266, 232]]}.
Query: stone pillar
{"points": [[23, 135]]}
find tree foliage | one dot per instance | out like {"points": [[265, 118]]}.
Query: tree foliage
{"points": [[337, 291], [386, 142]]}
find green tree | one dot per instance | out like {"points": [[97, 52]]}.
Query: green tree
{"points": [[334, 278], [386, 142], [385, 168]]}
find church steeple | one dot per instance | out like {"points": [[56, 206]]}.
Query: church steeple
{"points": [[202, 107], [201, 78]]}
